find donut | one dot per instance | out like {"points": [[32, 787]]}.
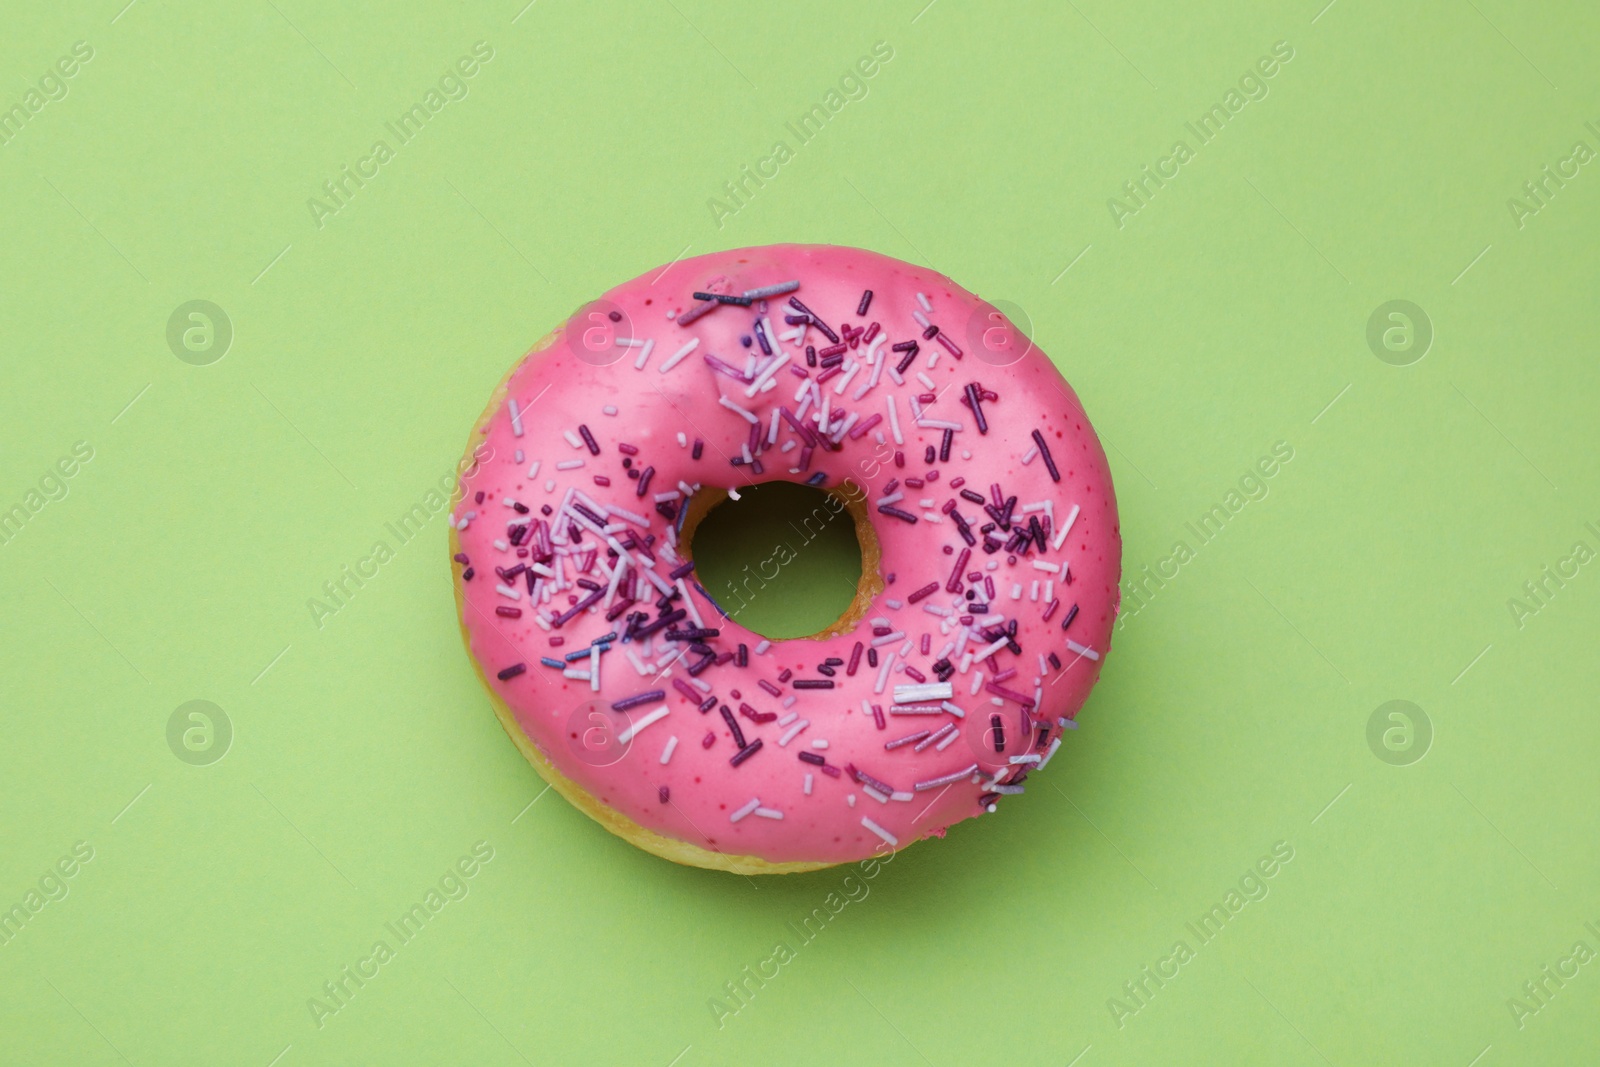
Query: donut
{"points": [[977, 489]]}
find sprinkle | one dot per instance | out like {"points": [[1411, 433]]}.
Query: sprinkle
{"points": [[755, 802], [866, 302], [667, 750], [953, 709], [808, 781], [511, 672], [1061, 534], [569, 464], [907, 740], [588, 440], [638, 364], [946, 732], [678, 356], [913, 694], [789, 735], [924, 592], [1072, 613], [637, 699], [507, 591], [1082, 650], [888, 838], [725, 298], [1044, 454], [813, 683], [771, 290], [945, 779], [747, 415], [745, 753], [769, 813]]}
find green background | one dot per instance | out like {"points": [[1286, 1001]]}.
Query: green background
{"points": [[1228, 314]]}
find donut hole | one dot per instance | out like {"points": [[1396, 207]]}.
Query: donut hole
{"points": [[785, 560]]}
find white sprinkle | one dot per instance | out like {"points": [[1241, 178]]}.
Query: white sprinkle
{"points": [[1033, 590], [683, 439], [783, 741], [644, 354], [594, 668], [1061, 534], [609, 409], [769, 813], [549, 485], [1082, 650], [923, 300], [1015, 760], [763, 646], [1016, 590], [889, 838], [575, 674], [941, 745], [666, 750], [789, 718], [850, 799], [916, 694], [888, 639], [1027, 457], [506, 591], [1041, 565], [639, 724], [880, 797], [516, 416], [501, 545], [953, 709], [748, 416], [894, 422], [990, 650], [569, 464], [572, 439], [766, 375], [808, 783], [922, 320], [533, 470], [678, 356], [1051, 751], [819, 743], [755, 802], [629, 342], [939, 424]]}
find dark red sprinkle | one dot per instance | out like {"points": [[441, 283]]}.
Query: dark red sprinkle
{"points": [[466, 575], [866, 302], [944, 446], [478, 497], [855, 659], [1072, 613], [923, 593], [785, 675], [830, 770], [708, 740], [745, 753], [699, 446], [664, 793], [602, 481], [508, 613], [998, 726], [812, 757], [769, 687], [614, 316], [813, 683], [460, 557], [930, 333], [872, 657], [811, 356], [644, 481]]}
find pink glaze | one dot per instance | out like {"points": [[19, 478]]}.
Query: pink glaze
{"points": [[555, 390]]}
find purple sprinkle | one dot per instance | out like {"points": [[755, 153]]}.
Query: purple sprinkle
{"points": [[866, 301], [1044, 454], [813, 758], [890, 509], [638, 698], [745, 753], [588, 440], [512, 671], [770, 688], [644, 481], [664, 793], [1072, 613], [813, 683], [926, 591]]}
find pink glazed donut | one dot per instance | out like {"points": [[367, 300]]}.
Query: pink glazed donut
{"points": [[980, 495]]}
